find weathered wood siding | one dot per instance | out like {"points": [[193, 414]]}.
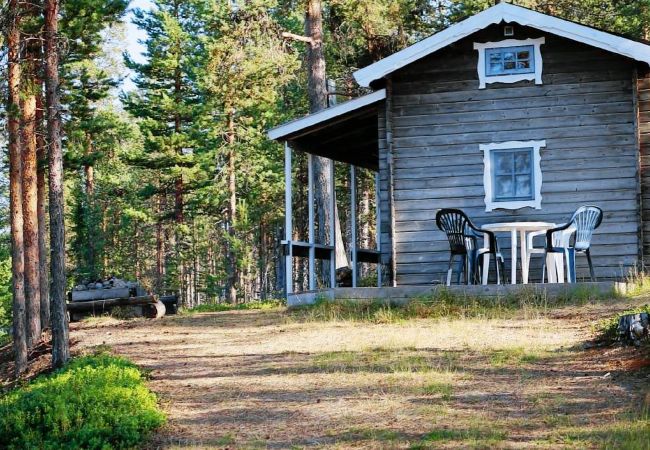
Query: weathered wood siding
{"points": [[385, 213], [585, 110], [643, 98]]}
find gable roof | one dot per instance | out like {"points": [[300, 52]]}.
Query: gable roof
{"points": [[503, 12]]}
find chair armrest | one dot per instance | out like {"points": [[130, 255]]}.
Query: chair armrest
{"points": [[492, 239], [549, 233]]}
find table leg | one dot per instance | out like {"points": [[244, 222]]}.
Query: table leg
{"points": [[524, 256], [513, 257]]}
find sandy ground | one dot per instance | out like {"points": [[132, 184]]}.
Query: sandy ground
{"points": [[267, 379]]}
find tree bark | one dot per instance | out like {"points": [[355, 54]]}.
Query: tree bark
{"points": [[233, 274], [317, 91], [30, 217], [58, 316], [41, 177], [15, 191]]}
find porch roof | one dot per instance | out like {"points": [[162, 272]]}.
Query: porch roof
{"points": [[347, 132]]}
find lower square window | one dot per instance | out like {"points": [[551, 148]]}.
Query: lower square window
{"points": [[513, 177]]}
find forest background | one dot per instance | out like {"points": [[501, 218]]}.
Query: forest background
{"points": [[169, 176]]}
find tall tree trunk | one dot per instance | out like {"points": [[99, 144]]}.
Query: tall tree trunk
{"points": [[160, 242], [179, 214], [317, 91], [41, 176], [91, 219], [58, 316], [30, 217], [15, 191], [233, 274]]}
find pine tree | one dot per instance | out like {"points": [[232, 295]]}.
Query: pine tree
{"points": [[58, 314], [248, 66], [15, 191], [166, 102]]}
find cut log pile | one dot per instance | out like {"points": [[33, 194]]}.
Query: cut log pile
{"points": [[106, 289], [102, 296], [633, 329]]}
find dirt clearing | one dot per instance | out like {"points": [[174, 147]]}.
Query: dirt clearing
{"points": [[267, 379]]}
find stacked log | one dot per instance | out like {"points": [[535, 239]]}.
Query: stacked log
{"points": [[633, 329]]}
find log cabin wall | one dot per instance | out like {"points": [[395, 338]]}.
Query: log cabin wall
{"points": [[643, 97], [586, 112]]}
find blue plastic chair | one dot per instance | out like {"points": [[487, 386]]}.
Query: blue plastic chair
{"points": [[585, 220]]}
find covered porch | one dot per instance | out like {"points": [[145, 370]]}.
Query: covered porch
{"points": [[348, 136]]}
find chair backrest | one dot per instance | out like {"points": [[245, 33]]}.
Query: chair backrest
{"points": [[585, 220], [454, 222]]}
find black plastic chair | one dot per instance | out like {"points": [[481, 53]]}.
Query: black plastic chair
{"points": [[585, 220], [462, 235]]}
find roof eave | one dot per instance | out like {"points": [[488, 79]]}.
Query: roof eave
{"points": [[286, 130]]}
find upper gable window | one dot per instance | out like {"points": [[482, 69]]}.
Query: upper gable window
{"points": [[509, 61]]}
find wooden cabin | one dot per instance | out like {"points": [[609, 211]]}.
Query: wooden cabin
{"points": [[571, 102]]}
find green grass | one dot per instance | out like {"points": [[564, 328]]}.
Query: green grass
{"points": [[95, 402], [381, 360], [444, 390], [515, 356], [473, 437], [442, 303], [628, 433], [218, 307]]}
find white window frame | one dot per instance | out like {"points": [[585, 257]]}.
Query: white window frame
{"points": [[536, 201], [536, 76]]}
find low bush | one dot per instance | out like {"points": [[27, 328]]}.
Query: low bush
{"points": [[95, 402], [218, 307]]}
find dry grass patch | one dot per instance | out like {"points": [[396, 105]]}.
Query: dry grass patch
{"points": [[279, 379]]}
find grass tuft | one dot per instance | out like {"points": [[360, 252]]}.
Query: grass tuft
{"points": [[444, 390], [95, 402], [441, 304]]}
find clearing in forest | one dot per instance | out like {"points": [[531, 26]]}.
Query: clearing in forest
{"points": [[277, 379]]}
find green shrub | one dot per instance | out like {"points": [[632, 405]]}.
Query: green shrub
{"points": [[5, 294], [218, 307], [95, 402]]}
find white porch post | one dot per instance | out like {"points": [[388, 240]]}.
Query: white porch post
{"points": [[310, 209], [378, 227], [332, 225], [288, 223], [353, 222]]}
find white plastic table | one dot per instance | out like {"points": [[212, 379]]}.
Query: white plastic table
{"points": [[513, 227]]}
